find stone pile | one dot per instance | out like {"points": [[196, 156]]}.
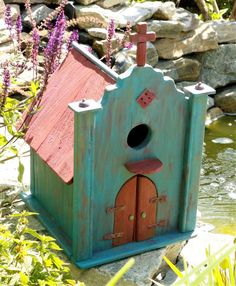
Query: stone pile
{"points": [[186, 48]]}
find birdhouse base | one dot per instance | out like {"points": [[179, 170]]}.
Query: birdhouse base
{"points": [[106, 256]]}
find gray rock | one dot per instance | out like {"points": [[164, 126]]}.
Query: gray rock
{"points": [[6, 43], [7, 47], [126, 58], [182, 69], [165, 11], [101, 46], [210, 102], [219, 66], [189, 20], [70, 10], [85, 38], [225, 31], [226, 99], [39, 12], [94, 16], [2, 8], [4, 36], [213, 114], [201, 39], [33, 1], [85, 2], [110, 3], [146, 265], [152, 56], [166, 29], [123, 61], [15, 11], [100, 33]]}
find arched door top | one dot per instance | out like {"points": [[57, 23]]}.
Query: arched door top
{"points": [[138, 212]]}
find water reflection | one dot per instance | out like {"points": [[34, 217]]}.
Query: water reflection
{"points": [[217, 198]]}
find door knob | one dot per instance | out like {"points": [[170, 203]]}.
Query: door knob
{"points": [[143, 215], [131, 217]]}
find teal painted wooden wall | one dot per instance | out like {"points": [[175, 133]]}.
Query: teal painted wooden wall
{"points": [[167, 116], [52, 193]]}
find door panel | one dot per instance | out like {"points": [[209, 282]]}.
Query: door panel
{"points": [[146, 210], [125, 219]]}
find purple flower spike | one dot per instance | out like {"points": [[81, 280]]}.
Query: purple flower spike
{"points": [[111, 29], [52, 52], [74, 36], [128, 45], [110, 35], [18, 30], [35, 48], [6, 77], [5, 85], [8, 19]]}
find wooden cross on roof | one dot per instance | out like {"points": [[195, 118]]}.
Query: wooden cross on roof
{"points": [[141, 38]]}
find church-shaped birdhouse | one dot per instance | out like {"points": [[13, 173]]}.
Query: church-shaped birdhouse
{"points": [[115, 159]]}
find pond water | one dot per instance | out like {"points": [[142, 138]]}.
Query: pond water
{"points": [[217, 198]]}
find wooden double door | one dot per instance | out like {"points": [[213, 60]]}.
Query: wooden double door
{"points": [[135, 218]]}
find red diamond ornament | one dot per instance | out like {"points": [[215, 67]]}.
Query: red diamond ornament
{"points": [[146, 98]]}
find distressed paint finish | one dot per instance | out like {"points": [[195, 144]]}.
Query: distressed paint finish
{"points": [[135, 213], [122, 219], [146, 210], [143, 167], [53, 138], [193, 155], [98, 145], [120, 113], [53, 194], [84, 187]]}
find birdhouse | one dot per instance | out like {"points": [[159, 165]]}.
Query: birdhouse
{"points": [[115, 159]]}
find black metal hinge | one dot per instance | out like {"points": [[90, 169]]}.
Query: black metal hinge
{"points": [[160, 199], [161, 223], [115, 209], [113, 235]]}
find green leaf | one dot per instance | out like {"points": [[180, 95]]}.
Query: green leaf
{"points": [[3, 140], [46, 238], [173, 267], [57, 261], [24, 279], [54, 246], [21, 170], [14, 150], [34, 87], [33, 233], [23, 214]]}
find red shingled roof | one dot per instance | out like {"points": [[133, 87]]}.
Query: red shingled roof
{"points": [[51, 131]]}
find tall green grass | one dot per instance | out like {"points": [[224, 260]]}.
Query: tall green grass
{"points": [[218, 269]]}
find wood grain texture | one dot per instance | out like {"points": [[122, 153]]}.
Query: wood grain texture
{"points": [[192, 161], [51, 131], [53, 195], [147, 166], [146, 211], [167, 119], [141, 38], [122, 222]]}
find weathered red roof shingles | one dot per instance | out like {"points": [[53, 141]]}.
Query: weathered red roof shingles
{"points": [[51, 131]]}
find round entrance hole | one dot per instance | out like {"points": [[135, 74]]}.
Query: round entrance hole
{"points": [[139, 136]]}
